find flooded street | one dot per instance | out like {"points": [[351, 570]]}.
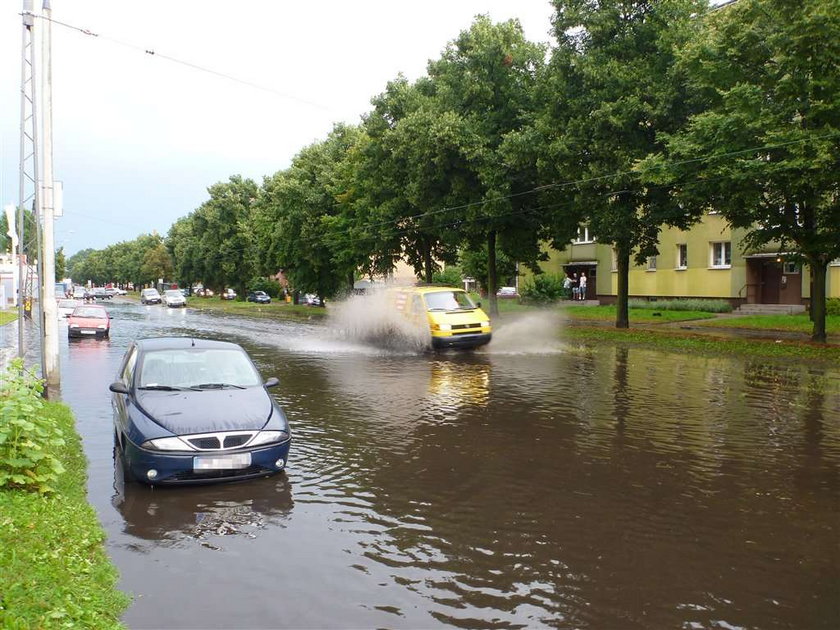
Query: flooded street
{"points": [[531, 484]]}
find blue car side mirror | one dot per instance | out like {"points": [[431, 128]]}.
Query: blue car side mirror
{"points": [[118, 387]]}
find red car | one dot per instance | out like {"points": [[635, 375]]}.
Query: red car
{"points": [[90, 320]]}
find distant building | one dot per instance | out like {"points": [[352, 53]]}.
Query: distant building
{"points": [[706, 261]]}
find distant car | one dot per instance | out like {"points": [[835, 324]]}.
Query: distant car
{"points": [[89, 320], [117, 291], [79, 293], [66, 306], [260, 297], [101, 293], [195, 411], [507, 292], [150, 296], [228, 294], [310, 299], [174, 298]]}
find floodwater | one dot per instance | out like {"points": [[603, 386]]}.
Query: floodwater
{"points": [[534, 484]]}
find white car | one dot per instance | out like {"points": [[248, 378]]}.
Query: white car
{"points": [[174, 298], [66, 306]]}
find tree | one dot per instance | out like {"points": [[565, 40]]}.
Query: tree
{"points": [[60, 264], [619, 90], [487, 77], [766, 152], [157, 263]]}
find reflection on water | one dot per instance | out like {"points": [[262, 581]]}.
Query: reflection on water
{"points": [[576, 487]]}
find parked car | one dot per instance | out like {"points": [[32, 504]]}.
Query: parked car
{"points": [[310, 299], [195, 411], [89, 320], [118, 291], [150, 296], [174, 298], [100, 293], [66, 306], [228, 294], [79, 293], [507, 293], [260, 297]]}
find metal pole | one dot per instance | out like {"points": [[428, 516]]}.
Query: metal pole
{"points": [[49, 306], [28, 20]]}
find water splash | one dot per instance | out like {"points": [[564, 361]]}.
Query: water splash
{"points": [[534, 333], [372, 318]]}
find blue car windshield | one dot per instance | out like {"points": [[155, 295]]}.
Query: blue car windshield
{"points": [[197, 368]]}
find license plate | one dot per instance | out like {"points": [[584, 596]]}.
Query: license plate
{"points": [[222, 462], [88, 332]]}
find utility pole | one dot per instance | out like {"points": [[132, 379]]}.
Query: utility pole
{"points": [[49, 307], [28, 155]]}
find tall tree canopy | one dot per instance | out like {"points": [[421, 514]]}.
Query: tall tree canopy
{"points": [[766, 152]]}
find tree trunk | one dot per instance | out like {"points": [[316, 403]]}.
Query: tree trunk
{"points": [[818, 273], [622, 315], [491, 273], [351, 281], [428, 270]]}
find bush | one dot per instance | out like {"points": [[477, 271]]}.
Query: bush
{"points": [[27, 437], [451, 276], [272, 287], [544, 288], [832, 306], [702, 305]]}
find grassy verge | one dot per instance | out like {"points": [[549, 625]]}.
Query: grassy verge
{"points": [[637, 315], [788, 323], [705, 344], [7, 316], [55, 572], [276, 309]]}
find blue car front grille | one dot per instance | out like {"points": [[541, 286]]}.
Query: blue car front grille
{"points": [[219, 441]]}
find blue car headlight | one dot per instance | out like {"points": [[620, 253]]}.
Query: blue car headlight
{"points": [[167, 444], [269, 437]]}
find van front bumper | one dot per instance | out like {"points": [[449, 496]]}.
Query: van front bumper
{"points": [[461, 341]]}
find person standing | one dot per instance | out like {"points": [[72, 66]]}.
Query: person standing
{"points": [[575, 286], [582, 286]]}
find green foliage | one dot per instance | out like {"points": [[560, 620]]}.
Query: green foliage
{"points": [[271, 287], [451, 276], [704, 306], [54, 570], [832, 307], [27, 438], [60, 264], [544, 288]]}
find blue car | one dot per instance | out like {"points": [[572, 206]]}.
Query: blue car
{"points": [[192, 411]]}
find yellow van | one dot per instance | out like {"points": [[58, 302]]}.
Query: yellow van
{"points": [[453, 319]]}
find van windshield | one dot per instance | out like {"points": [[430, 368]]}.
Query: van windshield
{"points": [[448, 301]]}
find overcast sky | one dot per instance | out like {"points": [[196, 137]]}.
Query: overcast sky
{"points": [[138, 138]]}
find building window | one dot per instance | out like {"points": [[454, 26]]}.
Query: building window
{"points": [[682, 256], [721, 255], [790, 268], [651, 263], [583, 235]]}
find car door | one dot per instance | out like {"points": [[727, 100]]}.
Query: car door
{"points": [[120, 402]]}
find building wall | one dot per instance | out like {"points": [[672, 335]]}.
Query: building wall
{"points": [[738, 282]]}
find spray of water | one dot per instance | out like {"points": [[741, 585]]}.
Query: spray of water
{"points": [[534, 333], [373, 318]]}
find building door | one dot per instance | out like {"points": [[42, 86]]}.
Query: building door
{"points": [[771, 282]]}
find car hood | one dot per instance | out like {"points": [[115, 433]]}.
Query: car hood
{"points": [[89, 322], [186, 412]]}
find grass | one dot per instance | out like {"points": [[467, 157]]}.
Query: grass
{"points": [[705, 344], [788, 323], [637, 315], [277, 309], [7, 316], [55, 572]]}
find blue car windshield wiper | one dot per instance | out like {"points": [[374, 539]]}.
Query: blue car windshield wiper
{"points": [[216, 386], [166, 388]]}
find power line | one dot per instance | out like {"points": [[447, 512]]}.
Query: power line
{"points": [[153, 53]]}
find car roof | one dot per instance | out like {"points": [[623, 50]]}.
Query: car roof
{"points": [[177, 343], [87, 306], [428, 289]]}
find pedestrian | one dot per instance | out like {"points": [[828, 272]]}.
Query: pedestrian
{"points": [[582, 286], [575, 287], [567, 287]]}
